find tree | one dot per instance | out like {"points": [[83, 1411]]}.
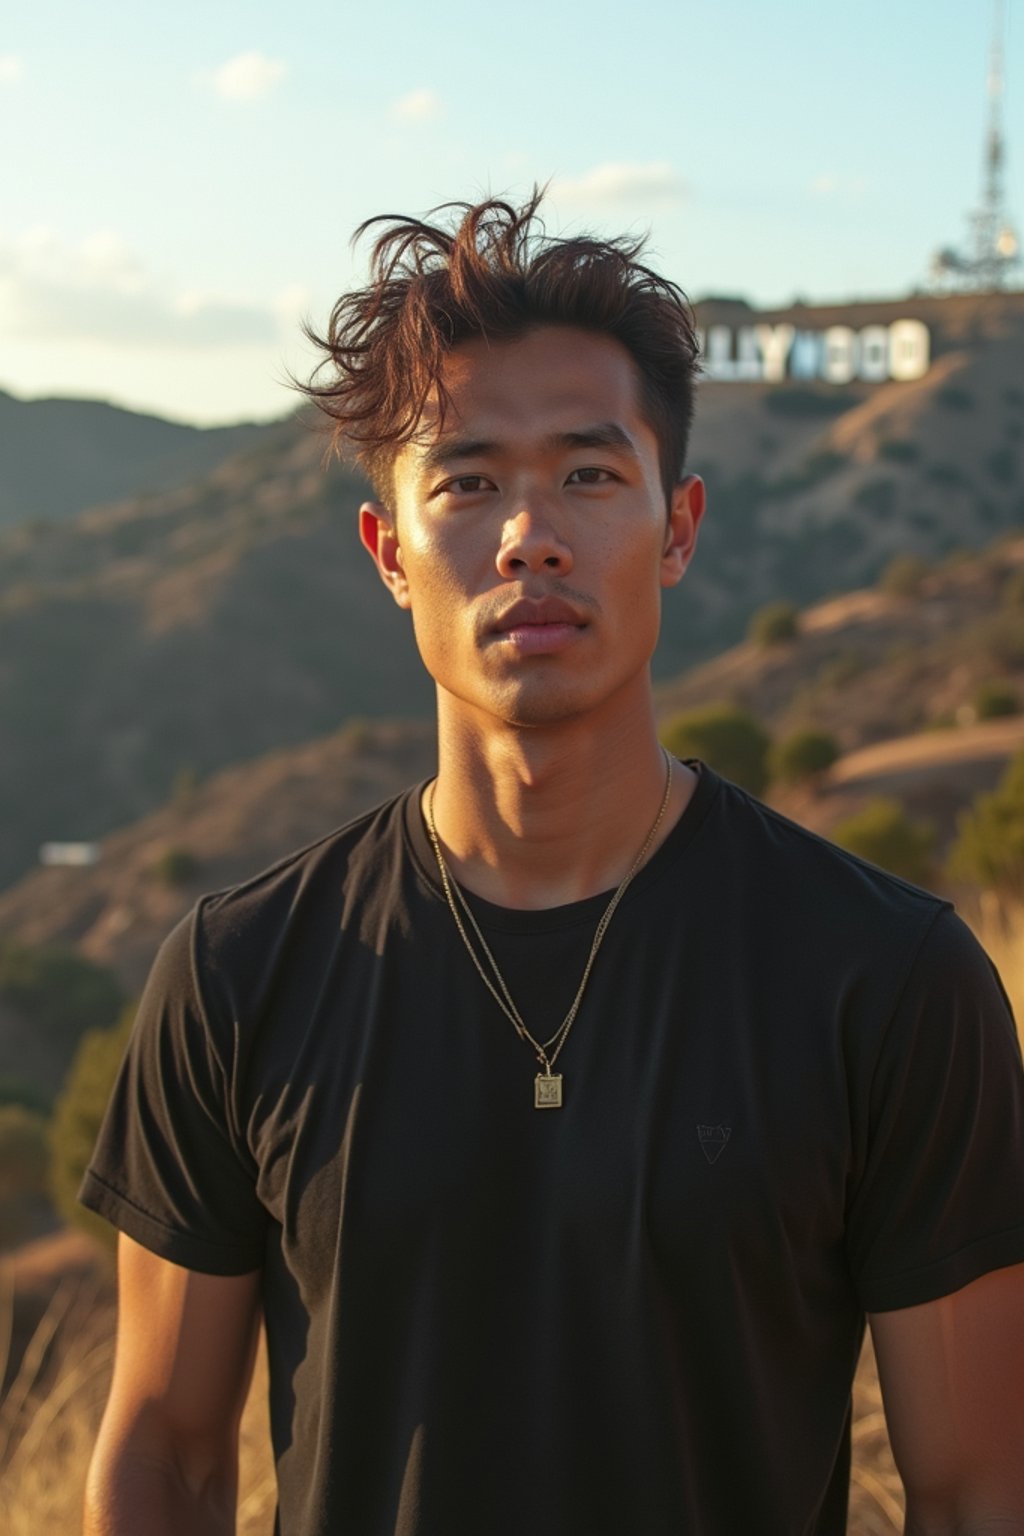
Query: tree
{"points": [[996, 698], [884, 834], [76, 1120], [804, 755], [989, 850], [774, 623], [728, 739], [176, 866]]}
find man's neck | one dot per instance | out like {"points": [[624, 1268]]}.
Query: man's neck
{"points": [[544, 816]]}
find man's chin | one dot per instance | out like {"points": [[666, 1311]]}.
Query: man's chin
{"points": [[528, 704]]}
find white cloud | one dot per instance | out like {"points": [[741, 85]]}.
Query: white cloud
{"points": [[829, 184], [657, 181], [97, 290], [248, 76], [420, 106], [11, 67]]}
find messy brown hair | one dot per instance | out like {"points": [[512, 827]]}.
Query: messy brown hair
{"points": [[492, 272]]}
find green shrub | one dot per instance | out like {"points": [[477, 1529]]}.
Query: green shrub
{"points": [[24, 1159], [816, 467], [77, 1115], [955, 398], [903, 576], [804, 755], [175, 866], [56, 989], [877, 496], [774, 623], [795, 400], [841, 668], [958, 555], [989, 849], [884, 834], [27, 1095], [1002, 465], [728, 739], [945, 474], [1001, 637], [994, 699], [899, 450], [184, 786], [358, 734]]}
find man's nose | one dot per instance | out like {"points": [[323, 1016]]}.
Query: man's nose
{"points": [[531, 543]]}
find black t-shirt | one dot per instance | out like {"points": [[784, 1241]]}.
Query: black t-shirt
{"points": [[793, 1093]]}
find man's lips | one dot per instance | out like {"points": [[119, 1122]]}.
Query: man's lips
{"points": [[539, 626]]}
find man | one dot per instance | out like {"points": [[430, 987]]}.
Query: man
{"points": [[565, 1116]]}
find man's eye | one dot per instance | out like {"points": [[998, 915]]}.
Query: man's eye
{"points": [[590, 475], [466, 485]]}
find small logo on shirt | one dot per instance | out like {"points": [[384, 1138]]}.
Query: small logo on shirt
{"points": [[712, 1140]]}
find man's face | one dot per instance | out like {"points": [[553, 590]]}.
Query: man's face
{"points": [[530, 537]]}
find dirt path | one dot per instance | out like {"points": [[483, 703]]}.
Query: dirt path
{"points": [[989, 741]]}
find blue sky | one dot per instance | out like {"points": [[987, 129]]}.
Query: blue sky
{"points": [[179, 185]]}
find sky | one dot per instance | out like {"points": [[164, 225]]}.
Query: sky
{"points": [[179, 185]]}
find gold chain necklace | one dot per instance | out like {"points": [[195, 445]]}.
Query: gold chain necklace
{"points": [[547, 1088]]}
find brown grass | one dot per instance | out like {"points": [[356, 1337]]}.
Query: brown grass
{"points": [[50, 1409]]}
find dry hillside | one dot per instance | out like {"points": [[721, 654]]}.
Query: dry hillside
{"points": [[894, 678], [180, 632], [232, 826]]}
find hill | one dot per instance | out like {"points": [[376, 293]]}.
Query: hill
{"points": [[161, 638], [895, 678], [59, 456], [230, 827], [156, 641]]}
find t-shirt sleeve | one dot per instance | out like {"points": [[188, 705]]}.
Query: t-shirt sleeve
{"points": [[170, 1168], [940, 1196]]}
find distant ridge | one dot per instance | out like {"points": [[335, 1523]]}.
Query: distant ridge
{"points": [[59, 456]]}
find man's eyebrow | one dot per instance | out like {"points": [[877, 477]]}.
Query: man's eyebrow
{"points": [[603, 434], [450, 449]]}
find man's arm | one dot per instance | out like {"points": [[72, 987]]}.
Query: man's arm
{"points": [[952, 1378], [166, 1460]]}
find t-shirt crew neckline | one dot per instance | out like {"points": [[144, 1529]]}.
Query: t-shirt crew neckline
{"points": [[545, 919]]}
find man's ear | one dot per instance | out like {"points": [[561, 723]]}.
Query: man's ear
{"points": [[685, 512], [378, 535]]}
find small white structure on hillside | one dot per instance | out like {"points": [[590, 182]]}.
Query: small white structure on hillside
{"points": [[75, 855]]}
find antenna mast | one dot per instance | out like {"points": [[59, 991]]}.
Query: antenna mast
{"points": [[994, 247]]}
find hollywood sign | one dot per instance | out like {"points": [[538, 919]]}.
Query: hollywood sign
{"points": [[839, 355]]}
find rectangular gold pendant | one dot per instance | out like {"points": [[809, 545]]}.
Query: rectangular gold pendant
{"points": [[547, 1090]]}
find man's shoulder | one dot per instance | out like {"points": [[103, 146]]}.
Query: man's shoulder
{"points": [[799, 872], [310, 884]]}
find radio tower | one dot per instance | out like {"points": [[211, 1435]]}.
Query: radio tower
{"points": [[994, 252]]}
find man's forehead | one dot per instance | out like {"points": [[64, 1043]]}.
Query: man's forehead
{"points": [[549, 384]]}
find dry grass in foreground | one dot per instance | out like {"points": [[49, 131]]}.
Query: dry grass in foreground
{"points": [[51, 1407]]}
